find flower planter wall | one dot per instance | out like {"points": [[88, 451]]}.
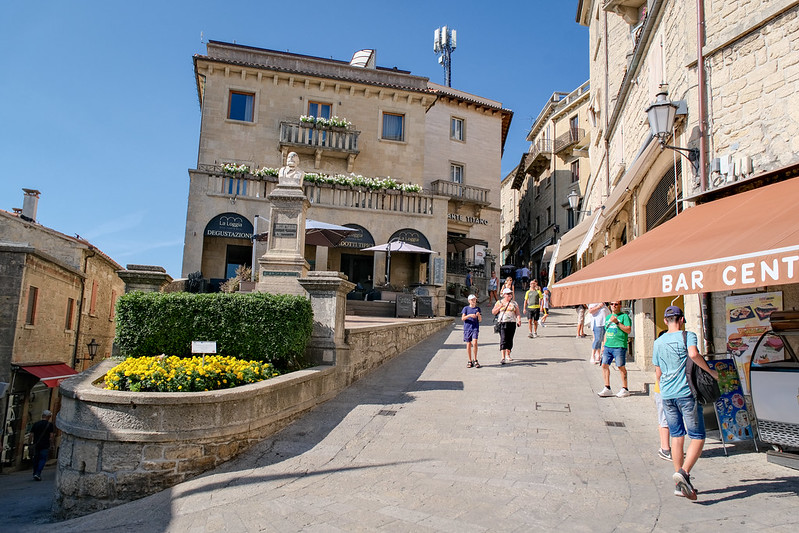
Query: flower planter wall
{"points": [[120, 446]]}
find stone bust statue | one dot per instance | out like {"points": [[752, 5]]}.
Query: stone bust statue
{"points": [[291, 175]]}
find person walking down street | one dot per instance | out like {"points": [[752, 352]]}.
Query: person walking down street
{"points": [[40, 439], [471, 317], [493, 285], [525, 272], [532, 303], [683, 411], [509, 318], [468, 282], [509, 284], [581, 320], [545, 304], [598, 313], [617, 328]]}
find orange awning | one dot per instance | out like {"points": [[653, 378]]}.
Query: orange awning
{"points": [[52, 374], [743, 241]]}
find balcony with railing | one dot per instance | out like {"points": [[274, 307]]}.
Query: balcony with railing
{"points": [[539, 157], [308, 138], [462, 193], [569, 139], [245, 186]]}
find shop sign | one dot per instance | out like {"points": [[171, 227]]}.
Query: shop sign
{"points": [[733, 417], [411, 236], [229, 225], [358, 239], [467, 219]]}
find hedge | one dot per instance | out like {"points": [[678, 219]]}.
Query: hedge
{"points": [[273, 328]]}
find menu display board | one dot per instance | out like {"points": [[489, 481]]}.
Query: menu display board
{"points": [[747, 318], [733, 416]]}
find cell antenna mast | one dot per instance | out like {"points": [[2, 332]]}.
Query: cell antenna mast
{"points": [[444, 42]]}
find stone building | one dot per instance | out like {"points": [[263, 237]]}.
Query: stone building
{"points": [[509, 198], [258, 105], [555, 166], [729, 82], [58, 296]]}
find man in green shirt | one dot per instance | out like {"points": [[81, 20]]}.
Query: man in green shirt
{"points": [[617, 327], [532, 302]]}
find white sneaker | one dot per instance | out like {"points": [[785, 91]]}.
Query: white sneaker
{"points": [[535, 335], [605, 393], [623, 393]]}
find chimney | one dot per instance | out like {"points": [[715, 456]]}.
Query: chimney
{"points": [[30, 204]]}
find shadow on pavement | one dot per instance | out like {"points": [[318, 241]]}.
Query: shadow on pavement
{"points": [[752, 487]]}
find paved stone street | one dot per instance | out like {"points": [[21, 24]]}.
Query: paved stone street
{"points": [[426, 444]]}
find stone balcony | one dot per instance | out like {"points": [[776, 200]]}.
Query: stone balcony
{"points": [[309, 139], [539, 157], [462, 193], [565, 144]]}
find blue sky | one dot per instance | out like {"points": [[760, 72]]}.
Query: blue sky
{"points": [[99, 111]]}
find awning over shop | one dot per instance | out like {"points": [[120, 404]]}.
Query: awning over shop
{"points": [[50, 374], [548, 251], [571, 239], [743, 241]]}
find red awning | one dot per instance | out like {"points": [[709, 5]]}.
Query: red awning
{"points": [[743, 241], [51, 375]]}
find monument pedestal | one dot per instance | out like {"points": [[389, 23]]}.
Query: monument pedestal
{"points": [[284, 261]]}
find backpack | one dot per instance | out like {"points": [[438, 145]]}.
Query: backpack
{"points": [[704, 388]]}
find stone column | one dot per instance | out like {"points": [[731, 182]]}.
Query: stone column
{"points": [[144, 278], [284, 261], [328, 292]]}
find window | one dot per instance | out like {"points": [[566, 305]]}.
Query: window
{"points": [[456, 129], [575, 167], [574, 123], [70, 313], [456, 173], [393, 127], [319, 110], [240, 106], [113, 305], [549, 216], [570, 218], [537, 224], [33, 298], [93, 301]]}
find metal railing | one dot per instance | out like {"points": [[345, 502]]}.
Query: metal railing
{"points": [[571, 137], [327, 138], [459, 191]]}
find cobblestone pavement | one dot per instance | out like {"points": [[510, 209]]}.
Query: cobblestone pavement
{"points": [[426, 444]]}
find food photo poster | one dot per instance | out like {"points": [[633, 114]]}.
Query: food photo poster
{"points": [[747, 317]]}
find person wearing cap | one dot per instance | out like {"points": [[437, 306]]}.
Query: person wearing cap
{"points": [[40, 439], [509, 318], [471, 317], [532, 303], [617, 329], [683, 411]]}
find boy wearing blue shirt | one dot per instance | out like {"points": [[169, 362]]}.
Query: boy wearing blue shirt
{"points": [[470, 315]]}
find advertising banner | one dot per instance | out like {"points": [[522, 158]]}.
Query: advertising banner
{"points": [[747, 317], [733, 416]]}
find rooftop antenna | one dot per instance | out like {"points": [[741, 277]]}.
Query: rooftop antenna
{"points": [[444, 42]]}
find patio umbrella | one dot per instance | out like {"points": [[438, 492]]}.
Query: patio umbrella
{"points": [[458, 244], [397, 246], [317, 233], [325, 234]]}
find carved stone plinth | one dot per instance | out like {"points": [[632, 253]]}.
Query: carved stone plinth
{"points": [[328, 293]]}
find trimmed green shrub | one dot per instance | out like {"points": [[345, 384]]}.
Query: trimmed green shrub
{"points": [[273, 328]]}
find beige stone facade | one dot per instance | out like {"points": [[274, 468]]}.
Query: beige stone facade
{"points": [[555, 166], [58, 293], [751, 70], [402, 127]]}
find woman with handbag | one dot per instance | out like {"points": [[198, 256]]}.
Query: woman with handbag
{"points": [[508, 318]]}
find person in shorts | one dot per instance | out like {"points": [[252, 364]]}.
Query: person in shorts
{"points": [[598, 312], [683, 412], [471, 317], [617, 328], [532, 303]]}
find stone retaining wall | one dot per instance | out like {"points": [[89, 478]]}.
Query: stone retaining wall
{"points": [[120, 446]]}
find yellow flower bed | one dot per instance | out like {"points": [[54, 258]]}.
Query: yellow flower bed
{"points": [[176, 374]]}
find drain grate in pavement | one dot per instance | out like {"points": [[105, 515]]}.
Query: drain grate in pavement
{"points": [[386, 412], [558, 407], [614, 424]]}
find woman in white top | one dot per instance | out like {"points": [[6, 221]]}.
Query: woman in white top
{"points": [[509, 318], [598, 313]]}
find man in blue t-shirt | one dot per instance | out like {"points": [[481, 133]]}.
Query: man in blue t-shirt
{"points": [[683, 412], [471, 317]]}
